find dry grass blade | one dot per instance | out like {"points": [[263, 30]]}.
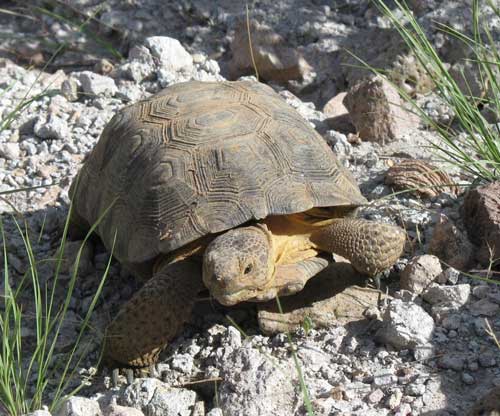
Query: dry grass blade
{"points": [[250, 43], [489, 331]]}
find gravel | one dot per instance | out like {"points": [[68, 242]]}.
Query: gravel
{"points": [[377, 366]]}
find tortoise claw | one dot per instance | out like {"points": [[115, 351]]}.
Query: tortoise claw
{"points": [[130, 374], [377, 280]]}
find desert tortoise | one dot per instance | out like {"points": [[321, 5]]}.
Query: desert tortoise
{"points": [[181, 168]]}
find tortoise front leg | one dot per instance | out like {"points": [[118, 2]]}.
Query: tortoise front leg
{"points": [[154, 315], [370, 246]]}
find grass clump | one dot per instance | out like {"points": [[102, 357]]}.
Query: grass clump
{"points": [[27, 371], [477, 152], [33, 372]]}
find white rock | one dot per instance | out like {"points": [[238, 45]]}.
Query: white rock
{"points": [[130, 92], [404, 410], [79, 406], [52, 128], [394, 399], [171, 54], [456, 295], [255, 384], [198, 409], [156, 398], [69, 89], [140, 53], [232, 338], [216, 411], [10, 151], [211, 66], [313, 358], [355, 389], [140, 65], [39, 413], [183, 363], [405, 325], [95, 85], [115, 410], [384, 377], [167, 77], [305, 109], [339, 144], [450, 275], [375, 396]]}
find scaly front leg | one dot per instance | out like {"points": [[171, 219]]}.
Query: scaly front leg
{"points": [[154, 315], [371, 247]]}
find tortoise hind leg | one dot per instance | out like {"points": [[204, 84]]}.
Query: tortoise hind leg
{"points": [[154, 315]]}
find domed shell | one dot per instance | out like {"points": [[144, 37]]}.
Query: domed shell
{"points": [[200, 158]]}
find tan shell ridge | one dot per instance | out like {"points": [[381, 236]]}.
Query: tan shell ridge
{"points": [[201, 158]]}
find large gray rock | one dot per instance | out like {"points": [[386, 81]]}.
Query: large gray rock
{"points": [[52, 127], [377, 111], [116, 410], [405, 325], [10, 151], [171, 54], [419, 273], [156, 398], [453, 295], [451, 245], [140, 65], [481, 215], [80, 406], [256, 384], [95, 85]]}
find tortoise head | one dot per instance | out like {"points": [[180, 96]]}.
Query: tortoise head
{"points": [[239, 265]]}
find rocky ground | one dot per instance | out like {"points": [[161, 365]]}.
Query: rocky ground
{"points": [[424, 349]]}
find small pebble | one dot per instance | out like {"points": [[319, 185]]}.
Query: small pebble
{"points": [[375, 396], [468, 379]]}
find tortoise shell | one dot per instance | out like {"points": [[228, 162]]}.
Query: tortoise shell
{"points": [[200, 158]]}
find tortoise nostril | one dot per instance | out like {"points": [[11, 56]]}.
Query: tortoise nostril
{"points": [[219, 279]]}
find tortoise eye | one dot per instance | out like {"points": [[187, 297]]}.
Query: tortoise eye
{"points": [[248, 269]]}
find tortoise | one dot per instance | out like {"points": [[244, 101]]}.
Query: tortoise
{"points": [[222, 185]]}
